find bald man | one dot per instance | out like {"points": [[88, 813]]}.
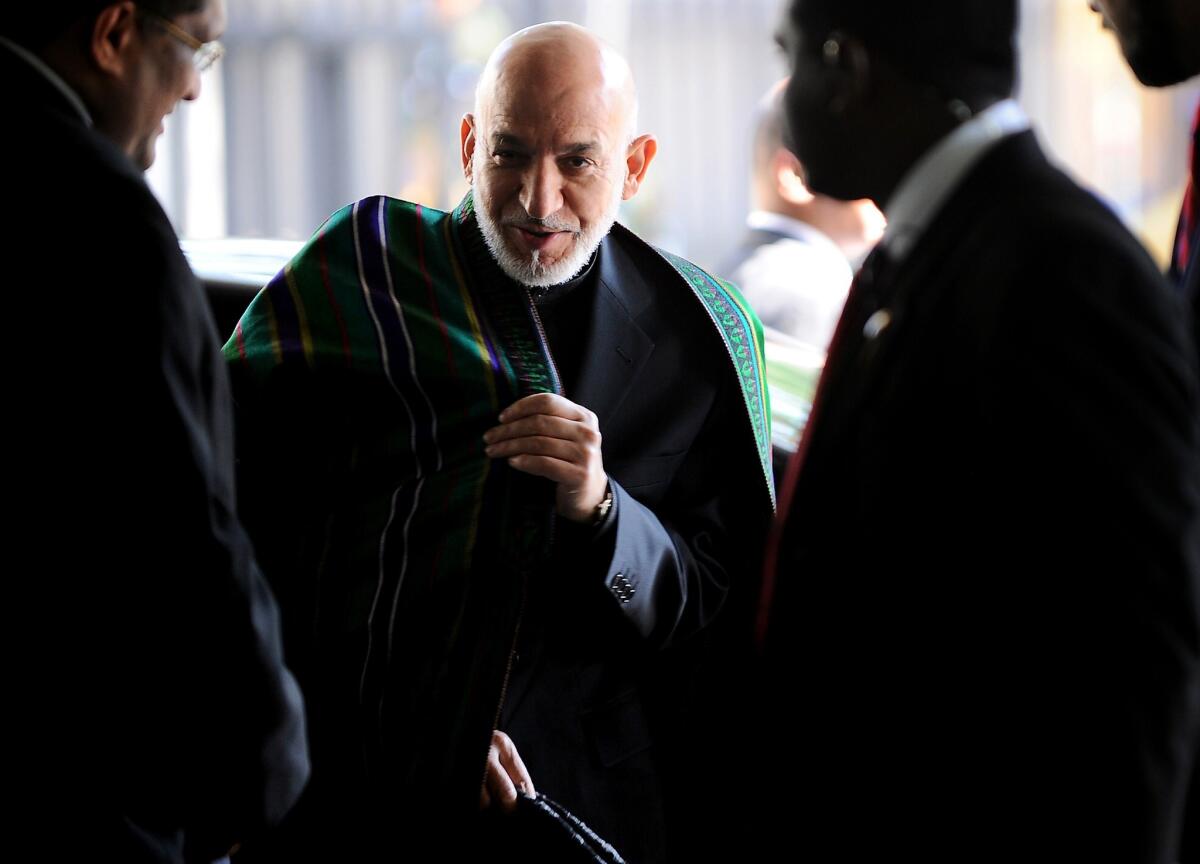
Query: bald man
{"points": [[503, 466], [795, 262]]}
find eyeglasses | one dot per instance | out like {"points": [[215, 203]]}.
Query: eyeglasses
{"points": [[204, 54]]}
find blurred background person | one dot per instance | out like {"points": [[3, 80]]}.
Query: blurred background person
{"points": [[1161, 41], [796, 261]]}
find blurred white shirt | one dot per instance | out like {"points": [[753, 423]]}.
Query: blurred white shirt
{"points": [[797, 284]]}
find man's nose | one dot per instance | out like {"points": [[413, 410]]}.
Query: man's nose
{"points": [[192, 92], [541, 193]]}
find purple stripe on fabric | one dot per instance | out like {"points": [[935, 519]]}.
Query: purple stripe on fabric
{"points": [[287, 320], [403, 375]]}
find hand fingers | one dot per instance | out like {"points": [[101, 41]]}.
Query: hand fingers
{"points": [[568, 474], [546, 425], [547, 403], [553, 448], [511, 760], [498, 785]]}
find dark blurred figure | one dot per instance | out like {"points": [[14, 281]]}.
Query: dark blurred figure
{"points": [[154, 719], [794, 262], [1161, 41], [1159, 38], [983, 586]]}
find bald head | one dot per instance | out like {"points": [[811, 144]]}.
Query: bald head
{"points": [[550, 150], [556, 59]]}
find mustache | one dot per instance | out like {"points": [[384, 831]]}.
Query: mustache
{"points": [[521, 219]]}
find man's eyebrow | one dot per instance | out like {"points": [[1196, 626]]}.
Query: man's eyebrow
{"points": [[505, 139]]}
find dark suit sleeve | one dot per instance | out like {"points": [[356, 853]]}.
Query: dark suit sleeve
{"points": [[674, 561], [227, 715]]}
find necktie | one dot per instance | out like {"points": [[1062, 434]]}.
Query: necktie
{"points": [[847, 339], [1185, 234]]}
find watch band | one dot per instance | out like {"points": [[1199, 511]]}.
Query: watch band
{"points": [[601, 511]]}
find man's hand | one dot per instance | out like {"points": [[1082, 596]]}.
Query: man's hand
{"points": [[506, 774], [552, 437]]}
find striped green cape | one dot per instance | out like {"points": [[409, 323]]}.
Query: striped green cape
{"points": [[424, 548]]}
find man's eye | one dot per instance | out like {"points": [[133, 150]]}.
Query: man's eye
{"points": [[578, 162]]}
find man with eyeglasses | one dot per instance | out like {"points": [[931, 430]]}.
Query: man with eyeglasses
{"points": [[154, 718]]}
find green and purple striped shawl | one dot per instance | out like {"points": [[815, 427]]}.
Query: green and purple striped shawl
{"points": [[405, 305]]}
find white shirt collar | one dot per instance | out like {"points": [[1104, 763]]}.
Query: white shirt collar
{"points": [[931, 180], [51, 76], [766, 220]]}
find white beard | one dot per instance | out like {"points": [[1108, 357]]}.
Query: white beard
{"points": [[527, 268]]}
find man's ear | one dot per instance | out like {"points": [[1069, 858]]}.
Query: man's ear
{"points": [[789, 184], [467, 136], [637, 161], [114, 38]]}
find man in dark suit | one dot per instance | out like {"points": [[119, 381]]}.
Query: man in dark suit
{"points": [[983, 587], [154, 719], [560, 641]]}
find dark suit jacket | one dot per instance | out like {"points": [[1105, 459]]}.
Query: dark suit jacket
{"points": [[153, 713], [987, 597], [595, 706], [1188, 281]]}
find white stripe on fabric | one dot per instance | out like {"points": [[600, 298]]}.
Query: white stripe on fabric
{"points": [[412, 356], [387, 371]]}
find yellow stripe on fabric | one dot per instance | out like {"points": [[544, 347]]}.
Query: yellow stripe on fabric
{"points": [[273, 324], [301, 314], [760, 360], [472, 319]]}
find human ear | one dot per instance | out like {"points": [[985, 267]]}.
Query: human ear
{"points": [[112, 38], [467, 137], [637, 161]]}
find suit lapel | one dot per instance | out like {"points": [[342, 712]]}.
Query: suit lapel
{"points": [[617, 348]]}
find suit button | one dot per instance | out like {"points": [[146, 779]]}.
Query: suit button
{"points": [[623, 588]]}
